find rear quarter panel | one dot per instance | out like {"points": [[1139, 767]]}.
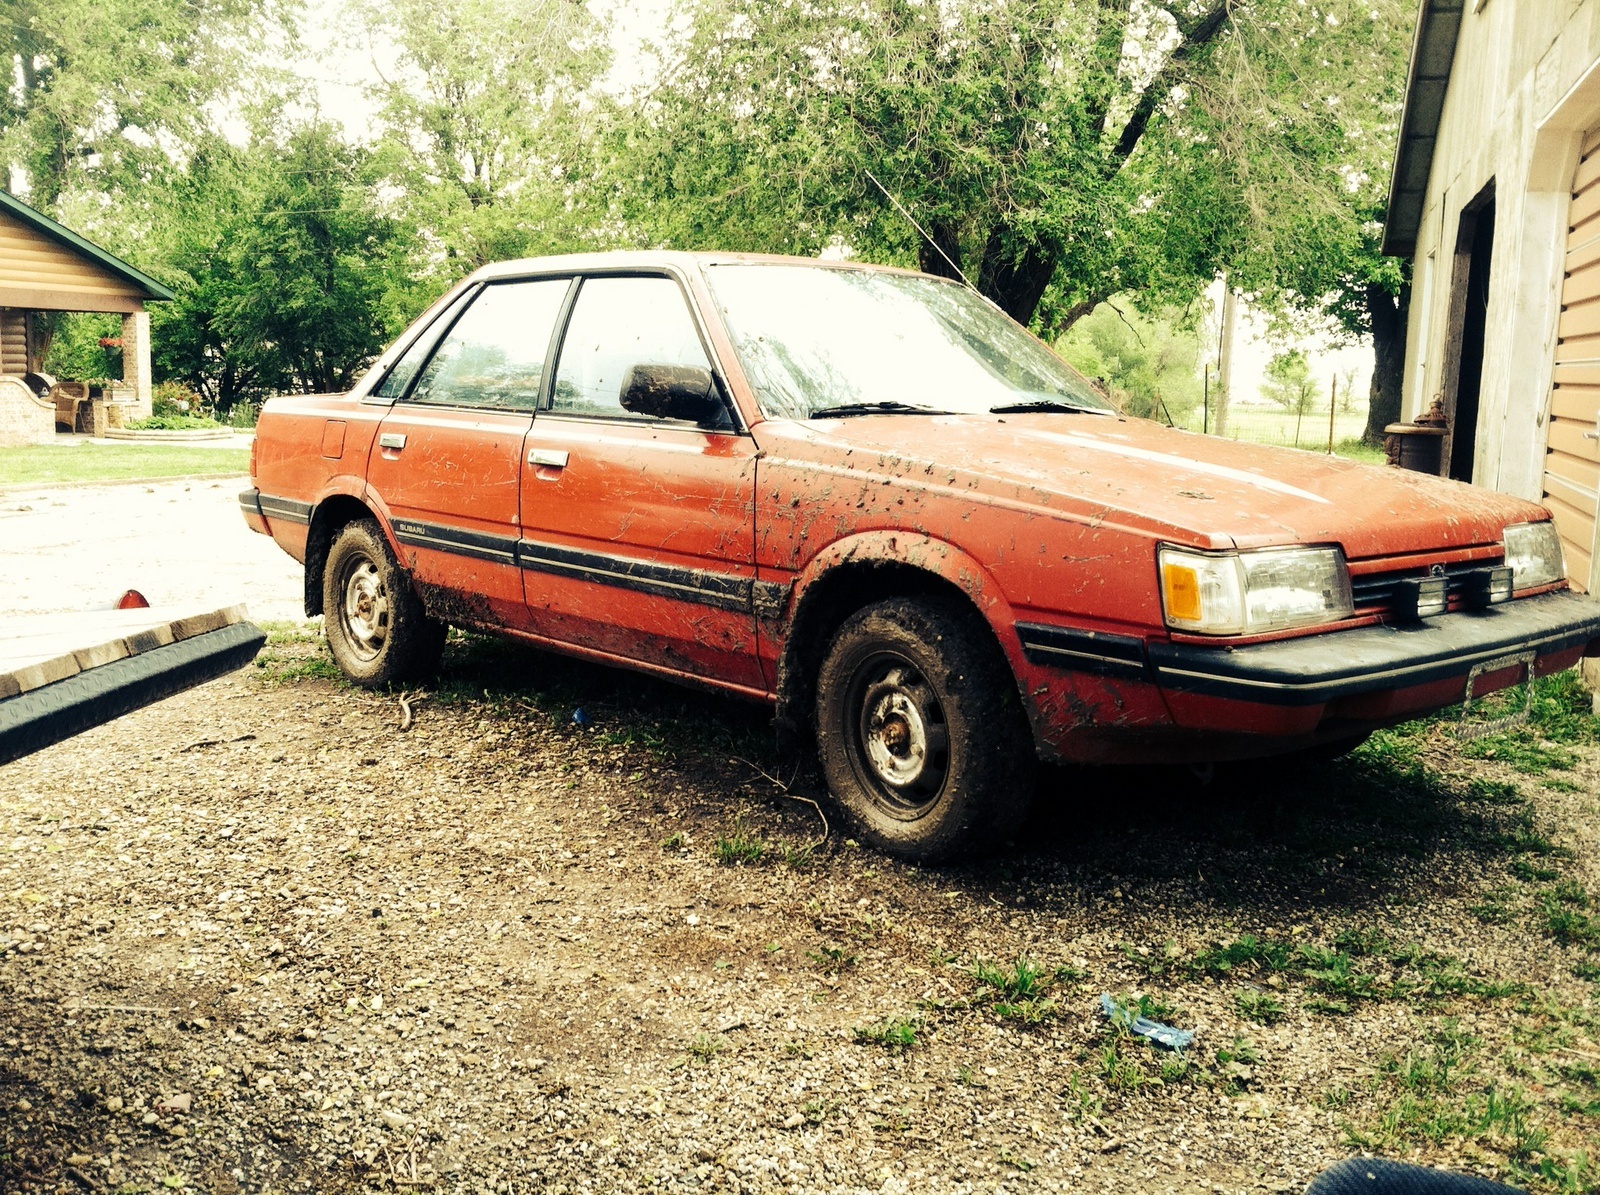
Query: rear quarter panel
{"points": [[309, 447]]}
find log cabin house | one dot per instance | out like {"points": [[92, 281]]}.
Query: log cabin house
{"points": [[45, 266]]}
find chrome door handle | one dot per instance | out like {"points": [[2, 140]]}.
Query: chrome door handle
{"points": [[548, 457], [391, 440]]}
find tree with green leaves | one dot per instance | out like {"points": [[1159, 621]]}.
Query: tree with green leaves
{"points": [[1288, 382], [1303, 121], [1147, 364], [1010, 130], [281, 253], [103, 92], [1051, 150], [490, 126]]}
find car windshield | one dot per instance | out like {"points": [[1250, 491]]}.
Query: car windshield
{"points": [[815, 339]]}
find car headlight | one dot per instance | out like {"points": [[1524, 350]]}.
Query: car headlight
{"points": [[1246, 593], [1533, 550]]}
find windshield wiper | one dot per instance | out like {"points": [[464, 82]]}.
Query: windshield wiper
{"points": [[872, 408], [1046, 404]]}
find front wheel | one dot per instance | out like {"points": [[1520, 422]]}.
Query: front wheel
{"points": [[920, 731], [377, 629]]}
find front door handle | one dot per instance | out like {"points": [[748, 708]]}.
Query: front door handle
{"points": [[394, 440], [548, 458]]}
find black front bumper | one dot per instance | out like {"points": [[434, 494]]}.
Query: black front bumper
{"points": [[1317, 669]]}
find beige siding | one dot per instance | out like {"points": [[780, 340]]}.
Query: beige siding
{"points": [[36, 271], [1572, 453]]}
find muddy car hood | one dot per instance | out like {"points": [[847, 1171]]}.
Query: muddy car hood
{"points": [[1197, 489]]}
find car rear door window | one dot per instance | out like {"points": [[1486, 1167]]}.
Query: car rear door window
{"points": [[494, 356], [619, 323], [399, 377]]}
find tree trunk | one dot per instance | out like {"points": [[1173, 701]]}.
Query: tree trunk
{"points": [[1388, 314], [942, 257], [1015, 282]]}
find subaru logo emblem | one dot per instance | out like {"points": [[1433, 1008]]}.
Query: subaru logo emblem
{"points": [[1436, 570]]}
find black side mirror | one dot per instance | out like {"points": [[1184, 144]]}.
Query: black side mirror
{"points": [[685, 392]]}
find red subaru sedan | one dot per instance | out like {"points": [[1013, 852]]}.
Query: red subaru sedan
{"points": [[869, 499]]}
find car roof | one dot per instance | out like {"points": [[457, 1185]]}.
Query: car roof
{"points": [[657, 259]]}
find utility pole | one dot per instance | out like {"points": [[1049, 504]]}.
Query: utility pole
{"points": [[1333, 405], [1230, 319]]}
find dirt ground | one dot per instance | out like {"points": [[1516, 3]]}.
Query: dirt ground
{"points": [[259, 938]]}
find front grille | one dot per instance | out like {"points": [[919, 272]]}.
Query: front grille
{"points": [[1374, 592]]}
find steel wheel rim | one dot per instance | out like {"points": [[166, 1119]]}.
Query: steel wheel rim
{"points": [[365, 609], [899, 738]]}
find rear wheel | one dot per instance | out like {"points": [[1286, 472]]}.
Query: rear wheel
{"points": [[377, 629], [920, 732]]}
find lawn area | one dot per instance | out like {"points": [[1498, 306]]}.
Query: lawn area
{"points": [[53, 464], [1269, 425]]}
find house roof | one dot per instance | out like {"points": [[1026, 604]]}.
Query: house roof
{"points": [[1432, 53], [58, 232]]}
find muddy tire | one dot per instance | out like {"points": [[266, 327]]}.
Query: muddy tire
{"points": [[920, 731], [375, 624]]}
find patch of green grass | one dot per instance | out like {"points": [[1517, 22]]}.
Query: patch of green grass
{"points": [[291, 666], [58, 464], [1362, 964], [1263, 1008], [677, 842], [1562, 916], [1122, 1070], [739, 846], [1533, 872], [816, 1111], [1335, 974], [895, 1034], [1015, 1161], [1248, 953], [1437, 1093], [1561, 716], [1023, 980], [1355, 449], [705, 1046], [1081, 1103], [833, 959]]}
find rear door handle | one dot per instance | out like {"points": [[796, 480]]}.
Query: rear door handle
{"points": [[549, 458], [393, 440]]}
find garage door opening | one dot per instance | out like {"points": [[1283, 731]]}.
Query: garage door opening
{"points": [[1469, 309]]}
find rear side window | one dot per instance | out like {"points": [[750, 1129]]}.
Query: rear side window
{"points": [[619, 323], [403, 370], [494, 356]]}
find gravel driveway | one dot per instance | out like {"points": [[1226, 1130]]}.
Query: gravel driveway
{"points": [[259, 938]]}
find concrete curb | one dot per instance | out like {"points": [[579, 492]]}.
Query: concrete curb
{"points": [[33, 487], [156, 436]]}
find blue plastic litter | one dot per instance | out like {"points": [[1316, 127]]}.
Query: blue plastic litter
{"points": [[579, 717], [1165, 1036]]}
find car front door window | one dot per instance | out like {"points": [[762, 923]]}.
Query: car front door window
{"points": [[616, 325]]}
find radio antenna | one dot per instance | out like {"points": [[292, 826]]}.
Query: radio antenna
{"points": [[900, 207]]}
